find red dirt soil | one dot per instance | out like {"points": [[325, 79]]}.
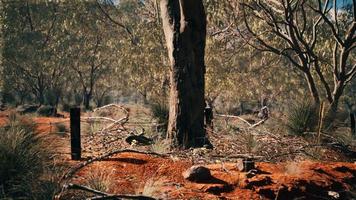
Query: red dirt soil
{"points": [[133, 173]]}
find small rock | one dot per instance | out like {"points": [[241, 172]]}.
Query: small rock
{"points": [[197, 174], [333, 194], [245, 165], [251, 173]]}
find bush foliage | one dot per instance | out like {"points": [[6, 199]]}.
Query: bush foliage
{"points": [[160, 112], [22, 161], [302, 117]]}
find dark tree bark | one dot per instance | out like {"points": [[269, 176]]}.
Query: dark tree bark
{"points": [[312, 88], [184, 24], [353, 124], [87, 99]]}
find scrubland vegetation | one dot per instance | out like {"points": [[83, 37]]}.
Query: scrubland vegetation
{"points": [[279, 77]]}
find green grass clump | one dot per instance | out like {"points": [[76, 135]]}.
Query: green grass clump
{"points": [[160, 146], [22, 161], [160, 112], [62, 128], [66, 107], [100, 180], [302, 117]]}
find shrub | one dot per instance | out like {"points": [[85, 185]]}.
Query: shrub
{"points": [[16, 121], [66, 107], [50, 97], [302, 117], [47, 111], [250, 142], [27, 109], [61, 128], [22, 159], [9, 98], [100, 179], [78, 99], [160, 112], [160, 146]]}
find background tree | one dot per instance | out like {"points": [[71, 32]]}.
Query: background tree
{"points": [[238, 75], [29, 57], [297, 27], [133, 52]]}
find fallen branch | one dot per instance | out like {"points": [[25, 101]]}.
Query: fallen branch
{"points": [[121, 196], [114, 105], [115, 122], [118, 122], [235, 117], [104, 195], [242, 119], [221, 31], [100, 119], [72, 186], [237, 156], [258, 123], [111, 197]]}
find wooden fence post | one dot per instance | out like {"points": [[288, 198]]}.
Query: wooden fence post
{"points": [[75, 133]]}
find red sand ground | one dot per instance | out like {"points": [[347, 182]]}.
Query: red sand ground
{"points": [[132, 173]]}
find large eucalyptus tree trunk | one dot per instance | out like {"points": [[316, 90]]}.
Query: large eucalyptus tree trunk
{"points": [[184, 24]]}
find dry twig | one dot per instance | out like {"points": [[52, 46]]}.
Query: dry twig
{"points": [[104, 195], [242, 119]]}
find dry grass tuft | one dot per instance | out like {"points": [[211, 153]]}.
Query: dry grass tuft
{"points": [[160, 146], [153, 188], [292, 168], [100, 179]]}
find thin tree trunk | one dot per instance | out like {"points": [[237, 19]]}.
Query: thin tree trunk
{"points": [[331, 114], [353, 124], [184, 24], [41, 98], [87, 98], [58, 98], [312, 88]]}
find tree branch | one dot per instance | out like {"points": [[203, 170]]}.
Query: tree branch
{"points": [[221, 31], [351, 74], [328, 22], [104, 195], [126, 28]]}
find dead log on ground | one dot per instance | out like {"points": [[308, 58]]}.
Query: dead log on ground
{"points": [[104, 195]]}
